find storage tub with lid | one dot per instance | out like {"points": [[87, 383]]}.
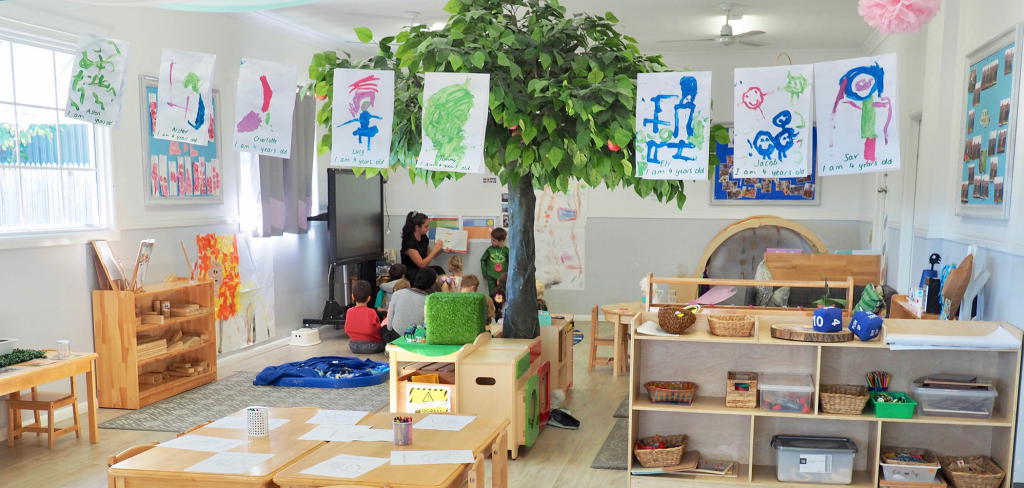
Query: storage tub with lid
{"points": [[804, 459], [955, 401], [789, 393]]}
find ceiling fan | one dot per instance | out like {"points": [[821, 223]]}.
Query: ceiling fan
{"points": [[726, 37]]}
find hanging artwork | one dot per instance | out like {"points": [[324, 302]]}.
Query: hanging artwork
{"points": [[363, 114], [673, 125], [559, 235], [857, 114], [773, 121], [454, 121], [186, 89], [97, 85], [989, 127], [242, 270], [264, 102]]}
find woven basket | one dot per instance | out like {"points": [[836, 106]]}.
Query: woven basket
{"points": [[961, 477], [929, 458], [844, 399], [671, 391], [731, 325], [660, 458], [675, 324], [737, 398]]}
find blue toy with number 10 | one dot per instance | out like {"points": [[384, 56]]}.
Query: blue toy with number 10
{"points": [[828, 319], [865, 325]]}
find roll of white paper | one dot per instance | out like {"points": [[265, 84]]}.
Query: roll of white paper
{"points": [[258, 421]]}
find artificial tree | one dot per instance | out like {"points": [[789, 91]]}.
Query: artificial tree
{"points": [[562, 102]]}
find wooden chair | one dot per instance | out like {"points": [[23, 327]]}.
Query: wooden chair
{"points": [[195, 427], [596, 341], [40, 401], [129, 453]]}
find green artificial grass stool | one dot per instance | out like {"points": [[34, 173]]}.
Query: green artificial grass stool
{"points": [[455, 318]]}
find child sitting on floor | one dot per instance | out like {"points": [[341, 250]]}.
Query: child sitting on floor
{"points": [[397, 275], [362, 323], [541, 304], [452, 281]]}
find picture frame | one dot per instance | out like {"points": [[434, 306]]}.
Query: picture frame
{"points": [[161, 152], [142, 264], [108, 267], [989, 99], [751, 193]]}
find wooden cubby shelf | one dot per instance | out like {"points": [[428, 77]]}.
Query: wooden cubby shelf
{"points": [[175, 353], [172, 321]]}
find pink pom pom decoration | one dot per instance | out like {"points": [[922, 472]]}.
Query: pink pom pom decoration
{"points": [[898, 16]]}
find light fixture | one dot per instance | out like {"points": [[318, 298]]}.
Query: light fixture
{"points": [[436, 26]]}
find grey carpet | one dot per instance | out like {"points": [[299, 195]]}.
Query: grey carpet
{"points": [[233, 393], [614, 453], [623, 411]]}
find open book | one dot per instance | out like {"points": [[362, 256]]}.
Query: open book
{"points": [[454, 239]]}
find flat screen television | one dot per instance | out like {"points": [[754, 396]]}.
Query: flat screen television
{"points": [[355, 216]]}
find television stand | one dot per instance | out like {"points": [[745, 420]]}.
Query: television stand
{"points": [[334, 312]]}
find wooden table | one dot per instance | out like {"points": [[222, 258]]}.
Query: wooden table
{"points": [[25, 377], [620, 315], [162, 467], [485, 435]]}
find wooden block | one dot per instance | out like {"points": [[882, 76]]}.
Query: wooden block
{"points": [[190, 306], [177, 346], [183, 370], [181, 365], [153, 319], [180, 375], [165, 375], [151, 378], [205, 337], [176, 336], [205, 365]]}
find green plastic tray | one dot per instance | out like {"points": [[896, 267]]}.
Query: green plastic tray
{"points": [[893, 410]]}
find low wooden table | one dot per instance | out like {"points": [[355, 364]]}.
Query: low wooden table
{"points": [[485, 435], [24, 377], [621, 315]]}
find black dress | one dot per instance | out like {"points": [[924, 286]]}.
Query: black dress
{"points": [[422, 246]]}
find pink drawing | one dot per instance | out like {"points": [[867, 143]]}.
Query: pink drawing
{"points": [[267, 94], [156, 178], [249, 123], [194, 153], [753, 98], [164, 191], [182, 178], [174, 149], [152, 116]]}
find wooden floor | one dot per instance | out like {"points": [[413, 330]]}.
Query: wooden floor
{"points": [[559, 458]]}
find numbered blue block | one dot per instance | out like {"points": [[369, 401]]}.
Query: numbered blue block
{"points": [[866, 325], [828, 319]]}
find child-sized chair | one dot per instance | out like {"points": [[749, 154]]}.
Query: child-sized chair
{"points": [[596, 341], [43, 401], [129, 453]]}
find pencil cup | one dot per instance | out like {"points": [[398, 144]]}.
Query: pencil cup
{"points": [[257, 421], [403, 433]]}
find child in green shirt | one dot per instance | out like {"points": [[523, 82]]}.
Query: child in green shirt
{"points": [[494, 262]]}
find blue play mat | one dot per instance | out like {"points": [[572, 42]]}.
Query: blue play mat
{"points": [[325, 372]]}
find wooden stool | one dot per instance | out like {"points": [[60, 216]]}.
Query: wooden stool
{"points": [[43, 401], [596, 341]]}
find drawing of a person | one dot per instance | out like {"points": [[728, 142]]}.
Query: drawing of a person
{"points": [[763, 143], [858, 89], [364, 95], [365, 129], [786, 137]]}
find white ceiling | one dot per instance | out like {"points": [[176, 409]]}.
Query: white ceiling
{"points": [[791, 25]]}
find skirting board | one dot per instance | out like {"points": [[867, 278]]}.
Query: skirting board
{"points": [[253, 351]]}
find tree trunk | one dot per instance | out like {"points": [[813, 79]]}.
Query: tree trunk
{"points": [[520, 316]]}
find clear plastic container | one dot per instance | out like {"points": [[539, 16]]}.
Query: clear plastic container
{"points": [[943, 401], [827, 460], [791, 393]]}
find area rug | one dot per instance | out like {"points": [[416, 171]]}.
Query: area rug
{"points": [[623, 411], [614, 453], [233, 393]]}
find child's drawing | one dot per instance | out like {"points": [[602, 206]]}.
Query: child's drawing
{"points": [[454, 120], [363, 114], [98, 83], [859, 126], [559, 236], [444, 422], [772, 122], [203, 443], [185, 90], [345, 466], [342, 417], [263, 107], [673, 146]]}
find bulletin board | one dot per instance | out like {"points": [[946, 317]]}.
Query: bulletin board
{"points": [[728, 190]]}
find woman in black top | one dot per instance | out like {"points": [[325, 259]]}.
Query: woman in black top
{"points": [[416, 252]]}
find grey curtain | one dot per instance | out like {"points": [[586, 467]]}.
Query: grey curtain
{"points": [[286, 185]]}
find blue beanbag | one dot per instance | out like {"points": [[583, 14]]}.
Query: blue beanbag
{"points": [[866, 325], [828, 319]]}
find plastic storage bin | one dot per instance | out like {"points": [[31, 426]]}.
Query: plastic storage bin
{"points": [[886, 410], [895, 470], [827, 460], [951, 401], [791, 393]]}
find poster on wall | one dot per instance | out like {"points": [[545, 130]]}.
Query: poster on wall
{"points": [[773, 116], [454, 122], [179, 173], [729, 189], [559, 235], [264, 102], [858, 115], [363, 115], [989, 125], [673, 125], [97, 85], [242, 270], [184, 95]]}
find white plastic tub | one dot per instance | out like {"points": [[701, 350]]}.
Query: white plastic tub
{"points": [[941, 401], [7, 345], [822, 460], [789, 393]]}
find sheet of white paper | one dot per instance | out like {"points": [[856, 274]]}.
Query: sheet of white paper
{"points": [[240, 423], [454, 239], [333, 432], [454, 121], [345, 466], [229, 463], [404, 458], [185, 97], [264, 102], [998, 339], [650, 328], [560, 236], [858, 115], [444, 422], [773, 116], [369, 435], [673, 125], [344, 417], [363, 115], [203, 443], [97, 81]]}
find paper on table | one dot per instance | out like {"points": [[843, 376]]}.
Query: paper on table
{"points": [[345, 466], [402, 458], [454, 239], [344, 417], [369, 435], [444, 422], [333, 432], [203, 443], [240, 423], [651, 328], [998, 339], [229, 462]]}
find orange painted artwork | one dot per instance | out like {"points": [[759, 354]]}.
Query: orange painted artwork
{"points": [[218, 258]]}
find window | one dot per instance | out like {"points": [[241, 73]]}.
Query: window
{"points": [[49, 172]]}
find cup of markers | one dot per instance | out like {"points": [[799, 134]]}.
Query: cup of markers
{"points": [[403, 431]]}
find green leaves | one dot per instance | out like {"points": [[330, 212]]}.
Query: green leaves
{"points": [[545, 60], [453, 6], [455, 61], [503, 59], [478, 58], [364, 34], [611, 17], [595, 76]]}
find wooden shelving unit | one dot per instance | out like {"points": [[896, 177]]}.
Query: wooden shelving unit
{"points": [[743, 435], [116, 341]]}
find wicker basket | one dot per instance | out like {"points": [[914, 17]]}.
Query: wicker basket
{"points": [[675, 324], [929, 458], [844, 399], [969, 475], [660, 458], [735, 398], [671, 391], [731, 325]]}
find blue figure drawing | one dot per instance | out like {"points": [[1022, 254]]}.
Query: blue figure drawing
{"points": [[364, 129], [764, 143], [688, 93], [200, 115]]}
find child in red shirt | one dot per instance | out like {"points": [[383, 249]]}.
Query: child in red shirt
{"points": [[362, 323]]}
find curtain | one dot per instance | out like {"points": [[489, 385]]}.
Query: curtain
{"points": [[286, 185]]}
